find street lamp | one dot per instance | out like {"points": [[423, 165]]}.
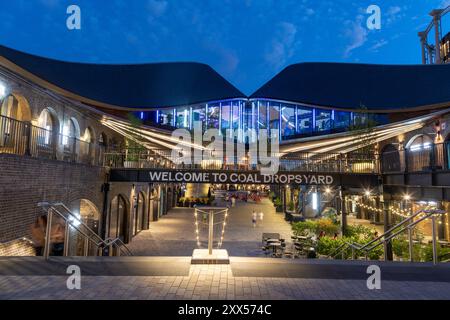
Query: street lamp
{"points": [[367, 193]]}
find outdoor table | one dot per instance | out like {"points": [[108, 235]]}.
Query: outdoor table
{"points": [[275, 246], [273, 240]]}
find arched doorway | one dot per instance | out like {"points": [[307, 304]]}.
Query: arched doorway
{"points": [[89, 216], [118, 215], [15, 115], [419, 151], [154, 204], [390, 159], [139, 213]]}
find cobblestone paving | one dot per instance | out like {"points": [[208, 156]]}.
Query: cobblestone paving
{"points": [[214, 282], [174, 234]]}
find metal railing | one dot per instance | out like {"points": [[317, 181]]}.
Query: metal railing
{"points": [[23, 138], [92, 243], [306, 161], [407, 224]]}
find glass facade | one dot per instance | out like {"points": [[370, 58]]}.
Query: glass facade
{"points": [[290, 120], [213, 115]]}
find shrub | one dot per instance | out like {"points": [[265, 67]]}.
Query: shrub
{"points": [[359, 231], [326, 225], [304, 227], [427, 252]]}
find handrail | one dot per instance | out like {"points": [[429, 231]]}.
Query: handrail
{"points": [[388, 235], [92, 237]]}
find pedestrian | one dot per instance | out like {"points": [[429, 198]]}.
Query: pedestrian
{"points": [[261, 216], [233, 201], [254, 216]]}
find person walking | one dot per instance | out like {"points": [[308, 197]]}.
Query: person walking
{"points": [[261, 216], [254, 216]]}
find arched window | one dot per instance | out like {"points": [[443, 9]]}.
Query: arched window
{"points": [[118, 218], [419, 151], [88, 214], [70, 135], [390, 159], [45, 123]]}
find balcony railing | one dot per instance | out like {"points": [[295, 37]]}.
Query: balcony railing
{"points": [[307, 161], [22, 138]]}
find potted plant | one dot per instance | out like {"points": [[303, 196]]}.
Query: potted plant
{"points": [[278, 204]]}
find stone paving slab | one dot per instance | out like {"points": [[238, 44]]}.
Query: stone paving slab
{"points": [[214, 282], [96, 266], [223, 282]]}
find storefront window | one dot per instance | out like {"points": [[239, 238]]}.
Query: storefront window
{"points": [[213, 115], [199, 114], [287, 121], [166, 117], [341, 119], [183, 118], [235, 116], [226, 116], [323, 120], [262, 114], [274, 116], [304, 120]]}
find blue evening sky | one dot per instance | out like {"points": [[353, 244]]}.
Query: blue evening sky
{"points": [[247, 41]]}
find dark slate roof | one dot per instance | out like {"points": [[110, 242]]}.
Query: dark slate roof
{"points": [[137, 86], [350, 86]]}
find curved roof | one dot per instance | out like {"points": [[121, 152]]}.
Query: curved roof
{"points": [[131, 86], [385, 88]]}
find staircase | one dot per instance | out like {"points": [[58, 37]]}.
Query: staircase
{"points": [[406, 225], [91, 243]]}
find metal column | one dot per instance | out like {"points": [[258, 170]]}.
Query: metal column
{"points": [[211, 232]]}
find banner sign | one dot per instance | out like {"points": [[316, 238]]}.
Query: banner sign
{"points": [[239, 177], [242, 177]]}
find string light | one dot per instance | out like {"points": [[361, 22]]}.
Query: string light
{"points": [[223, 228]]}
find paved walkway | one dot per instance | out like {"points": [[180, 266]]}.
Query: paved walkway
{"points": [[174, 234], [221, 282]]}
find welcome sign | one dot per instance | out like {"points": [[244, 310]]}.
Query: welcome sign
{"points": [[239, 177], [356, 180]]}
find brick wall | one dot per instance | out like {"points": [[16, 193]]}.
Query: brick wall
{"points": [[25, 181]]}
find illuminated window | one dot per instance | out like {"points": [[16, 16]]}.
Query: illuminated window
{"points": [[304, 120], [323, 120], [287, 120]]}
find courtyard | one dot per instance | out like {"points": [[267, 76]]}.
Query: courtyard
{"points": [[174, 233]]}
